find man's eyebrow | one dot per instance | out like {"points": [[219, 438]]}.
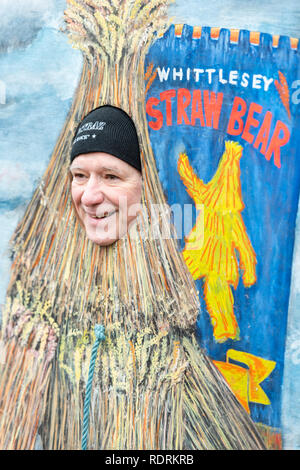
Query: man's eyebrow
{"points": [[75, 167], [103, 168], [111, 168]]}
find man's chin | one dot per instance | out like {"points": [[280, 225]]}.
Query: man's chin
{"points": [[101, 239], [106, 237]]}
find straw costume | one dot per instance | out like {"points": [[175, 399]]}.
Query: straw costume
{"points": [[153, 387]]}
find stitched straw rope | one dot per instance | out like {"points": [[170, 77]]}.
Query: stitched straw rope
{"points": [[100, 336]]}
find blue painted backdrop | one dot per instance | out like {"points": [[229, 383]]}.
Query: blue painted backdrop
{"points": [[270, 194]]}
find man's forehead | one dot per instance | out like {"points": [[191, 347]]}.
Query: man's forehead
{"points": [[100, 160]]}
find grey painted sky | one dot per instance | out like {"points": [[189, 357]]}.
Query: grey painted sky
{"points": [[21, 20], [268, 16]]}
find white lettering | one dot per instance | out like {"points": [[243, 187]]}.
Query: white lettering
{"points": [[171, 459], [163, 74], [233, 76], [257, 78], [116, 460], [97, 125], [197, 73], [221, 79], [267, 82], [245, 79], [177, 74], [209, 73], [81, 137]]}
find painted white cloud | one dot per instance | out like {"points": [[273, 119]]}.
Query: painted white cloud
{"points": [[48, 61], [15, 182], [21, 20]]}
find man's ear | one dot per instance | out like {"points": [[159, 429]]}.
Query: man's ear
{"points": [[70, 178]]}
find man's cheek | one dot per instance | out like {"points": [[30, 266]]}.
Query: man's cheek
{"points": [[75, 198], [134, 210]]}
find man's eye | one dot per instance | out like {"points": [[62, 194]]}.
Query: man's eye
{"points": [[111, 177], [79, 176]]}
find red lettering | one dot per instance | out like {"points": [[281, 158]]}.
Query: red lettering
{"points": [[263, 133], [183, 100], [155, 125], [212, 108], [197, 111], [251, 122], [167, 96], [239, 109], [277, 142]]}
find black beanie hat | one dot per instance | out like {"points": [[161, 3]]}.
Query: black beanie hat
{"points": [[110, 130]]}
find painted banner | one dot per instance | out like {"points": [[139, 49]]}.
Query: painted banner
{"points": [[223, 113]]}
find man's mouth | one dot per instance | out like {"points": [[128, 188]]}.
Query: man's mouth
{"points": [[102, 216]]}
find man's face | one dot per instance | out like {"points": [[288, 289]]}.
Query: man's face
{"points": [[106, 193]]}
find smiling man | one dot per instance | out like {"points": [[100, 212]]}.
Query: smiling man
{"points": [[106, 174]]}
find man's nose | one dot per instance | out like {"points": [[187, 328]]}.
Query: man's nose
{"points": [[93, 193]]}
